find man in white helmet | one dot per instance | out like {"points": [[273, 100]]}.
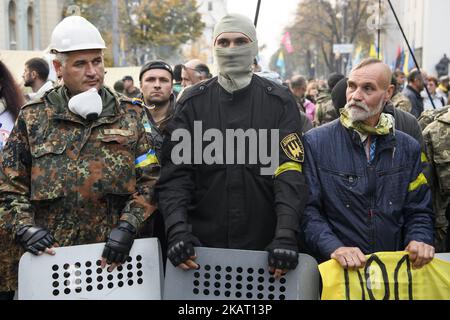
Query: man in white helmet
{"points": [[236, 204], [78, 168]]}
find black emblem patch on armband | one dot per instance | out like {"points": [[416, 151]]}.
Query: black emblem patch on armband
{"points": [[293, 147]]}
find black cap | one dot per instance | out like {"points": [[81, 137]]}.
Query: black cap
{"points": [[156, 64], [334, 79], [127, 78], [339, 95]]}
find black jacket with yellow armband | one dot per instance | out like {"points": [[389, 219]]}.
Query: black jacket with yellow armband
{"points": [[233, 176]]}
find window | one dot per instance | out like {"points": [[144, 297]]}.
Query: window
{"points": [[30, 18], [12, 25]]}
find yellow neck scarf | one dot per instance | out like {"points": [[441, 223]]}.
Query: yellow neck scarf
{"points": [[383, 128]]}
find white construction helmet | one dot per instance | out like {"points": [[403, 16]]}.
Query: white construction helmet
{"points": [[75, 33]]}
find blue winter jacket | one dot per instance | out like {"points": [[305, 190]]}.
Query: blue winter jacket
{"points": [[376, 207]]}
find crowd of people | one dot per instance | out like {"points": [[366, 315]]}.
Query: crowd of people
{"points": [[361, 162]]}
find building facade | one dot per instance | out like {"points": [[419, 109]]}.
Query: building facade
{"points": [[425, 23], [27, 24]]}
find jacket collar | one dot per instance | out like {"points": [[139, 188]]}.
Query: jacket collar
{"points": [[58, 100], [386, 142]]}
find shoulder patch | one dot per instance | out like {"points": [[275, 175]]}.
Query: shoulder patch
{"points": [[293, 148]]}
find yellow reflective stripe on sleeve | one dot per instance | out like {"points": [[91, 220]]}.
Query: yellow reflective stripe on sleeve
{"points": [[288, 166], [420, 181], [424, 157]]}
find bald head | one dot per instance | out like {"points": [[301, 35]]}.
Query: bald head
{"points": [[192, 64], [381, 71], [189, 73]]}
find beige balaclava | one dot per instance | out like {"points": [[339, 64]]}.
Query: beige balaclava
{"points": [[235, 64]]}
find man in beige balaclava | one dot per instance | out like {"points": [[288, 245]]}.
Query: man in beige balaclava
{"points": [[225, 194]]}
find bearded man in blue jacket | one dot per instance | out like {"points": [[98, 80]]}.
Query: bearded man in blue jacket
{"points": [[367, 189]]}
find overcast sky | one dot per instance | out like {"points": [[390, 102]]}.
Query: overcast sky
{"points": [[274, 16]]}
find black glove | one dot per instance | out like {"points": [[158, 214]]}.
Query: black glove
{"points": [[181, 245], [34, 239], [119, 243], [283, 250]]}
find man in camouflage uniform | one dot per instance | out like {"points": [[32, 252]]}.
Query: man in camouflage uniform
{"points": [[399, 100], [72, 174], [325, 110], [437, 139], [429, 116]]}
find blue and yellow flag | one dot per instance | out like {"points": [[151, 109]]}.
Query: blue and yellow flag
{"points": [[281, 64], [147, 159]]}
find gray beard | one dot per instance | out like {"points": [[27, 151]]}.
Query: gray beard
{"points": [[364, 115]]}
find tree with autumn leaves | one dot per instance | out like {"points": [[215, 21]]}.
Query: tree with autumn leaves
{"points": [[149, 29], [318, 25]]}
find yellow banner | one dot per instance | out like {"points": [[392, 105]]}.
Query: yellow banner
{"points": [[386, 276]]}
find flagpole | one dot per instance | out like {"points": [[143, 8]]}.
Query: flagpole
{"points": [[379, 30], [257, 13], [411, 52]]}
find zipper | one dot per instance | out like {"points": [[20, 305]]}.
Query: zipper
{"points": [[371, 190]]}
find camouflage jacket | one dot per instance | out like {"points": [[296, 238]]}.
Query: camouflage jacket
{"points": [[74, 177], [325, 110], [429, 116], [399, 100], [437, 140]]}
